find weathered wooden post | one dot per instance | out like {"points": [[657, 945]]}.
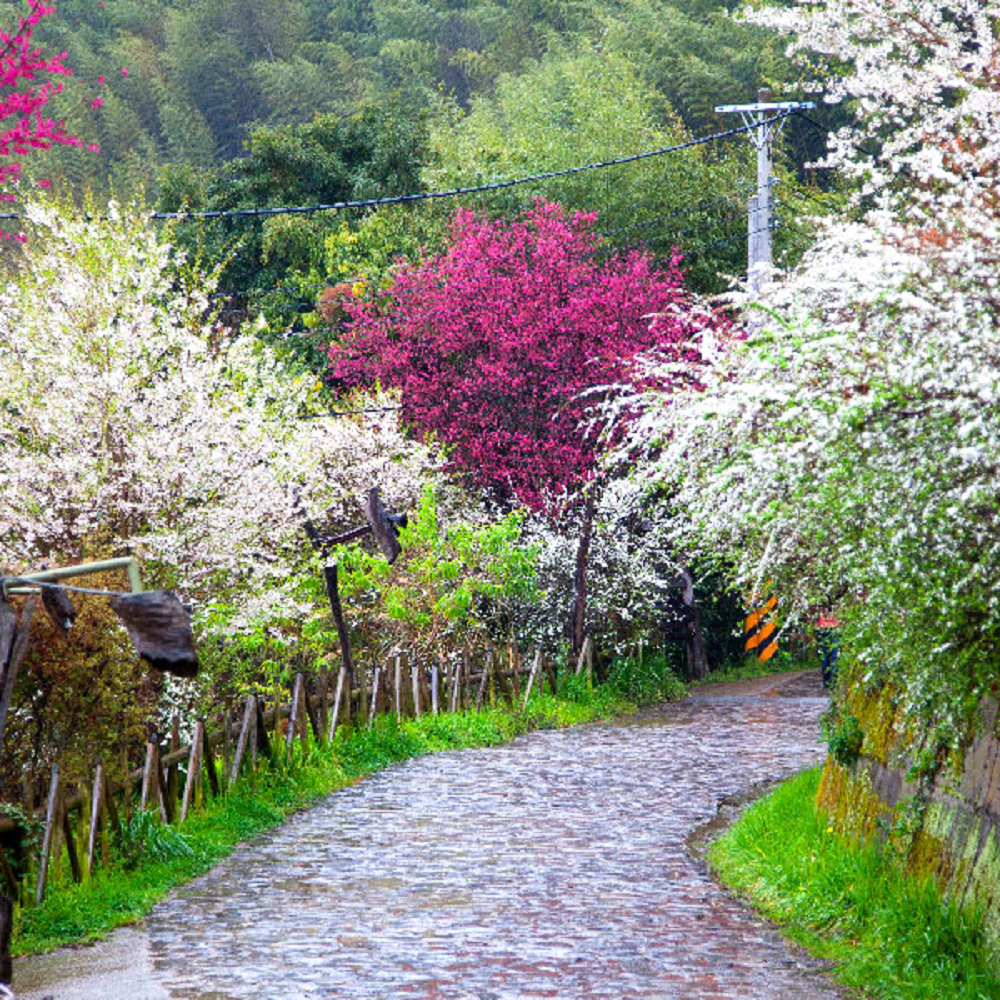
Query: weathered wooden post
{"points": [[487, 662], [384, 527], [209, 759], [531, 676], [337, 702], [48, 835], [293, 714], [373, 707], [415, 680], [324, 697], [241, 742], [194, 768], [172, 771], [397, 674], [96, 814], [147, 775]]}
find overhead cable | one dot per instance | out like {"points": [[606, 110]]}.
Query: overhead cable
{"points": [[454, 192]]}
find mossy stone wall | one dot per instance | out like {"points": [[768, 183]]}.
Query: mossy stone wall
{"points": [[946, 823]]}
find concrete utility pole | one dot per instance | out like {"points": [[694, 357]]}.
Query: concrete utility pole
{"points": [[760, 214]]}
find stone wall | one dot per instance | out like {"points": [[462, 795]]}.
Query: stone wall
{"points": [[946, 824]]}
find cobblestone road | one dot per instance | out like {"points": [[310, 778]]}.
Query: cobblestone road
{"points": [[556, 866]]}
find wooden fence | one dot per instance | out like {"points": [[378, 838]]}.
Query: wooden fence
{"points": [[172, 779]]}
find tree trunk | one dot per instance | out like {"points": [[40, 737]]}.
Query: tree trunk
{"points": [[580, 578], [697, 660]]}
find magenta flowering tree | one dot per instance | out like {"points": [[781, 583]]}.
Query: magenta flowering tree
{"points": [[502, 344], [28, 81], [497, 345]]}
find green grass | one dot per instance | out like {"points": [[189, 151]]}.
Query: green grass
{"points": [[890, 935], [750, 667], [126, 892]]}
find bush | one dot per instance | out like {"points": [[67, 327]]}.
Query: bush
{"points": [[645, 681], [843, 736], [142, 837]]}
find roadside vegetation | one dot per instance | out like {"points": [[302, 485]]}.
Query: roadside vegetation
{"points": [[785, 661], [889, 934]]}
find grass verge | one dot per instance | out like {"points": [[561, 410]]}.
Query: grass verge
{"points": [[749, 668], [124, 893], [888, 934]]}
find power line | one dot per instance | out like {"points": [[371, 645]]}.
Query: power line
{"points": [[733, 239], [449, 192], [701, 206], [454, 192]]}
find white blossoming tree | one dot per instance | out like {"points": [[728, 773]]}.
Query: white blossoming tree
{"points": [[128, 422], [850, 448]]}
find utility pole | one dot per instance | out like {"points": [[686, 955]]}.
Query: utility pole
{"points": [[760, 214]]}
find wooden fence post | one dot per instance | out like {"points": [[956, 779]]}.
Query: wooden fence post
{"points": [[172, 772], [252, 734], [415, 681], [147, 776], [97, 812], [324, 698], [456, 682], [194, 768], [397, 668], [337, 698], [487, 664], [241, 743], [209, 760], [373, 708], [531, 677], [293, 716], [50, 824]]}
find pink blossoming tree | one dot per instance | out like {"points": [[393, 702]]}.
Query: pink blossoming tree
{"points": [[502, 345], [28, 81]]}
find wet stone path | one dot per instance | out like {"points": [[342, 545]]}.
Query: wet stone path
{"points": [[555, 866]]}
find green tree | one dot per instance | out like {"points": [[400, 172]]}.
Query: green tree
{"points": [[585, 106]]}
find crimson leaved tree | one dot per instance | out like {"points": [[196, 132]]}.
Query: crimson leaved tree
{"points": [[500, 344], [28, 81]]}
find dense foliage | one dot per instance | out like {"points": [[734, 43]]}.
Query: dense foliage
{"points": [[201, 74]]}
